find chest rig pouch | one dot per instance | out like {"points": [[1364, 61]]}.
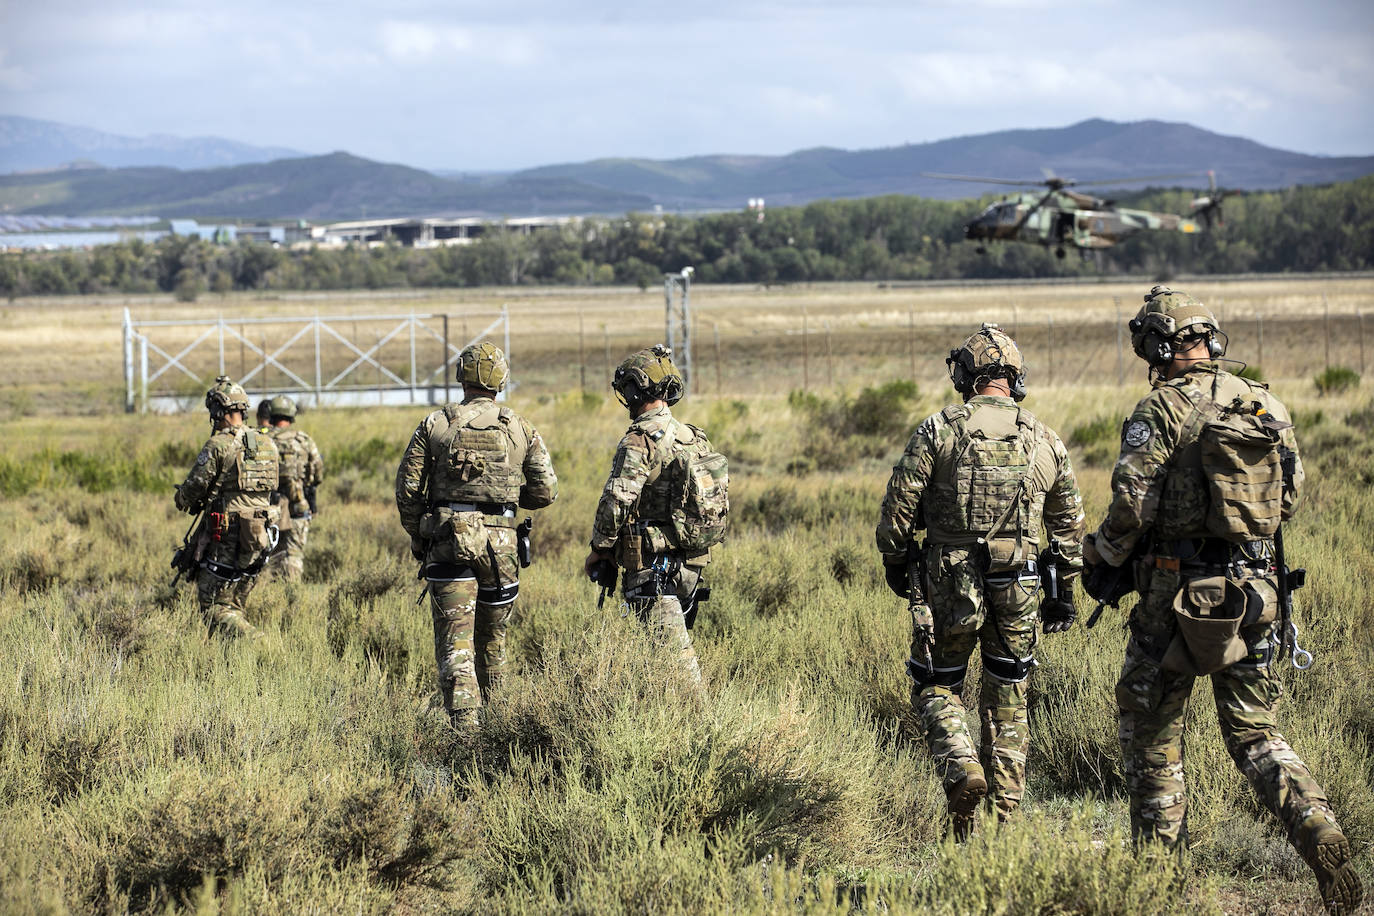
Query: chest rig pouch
{"points": [[478, 458], [994, 461], [256, 469]]}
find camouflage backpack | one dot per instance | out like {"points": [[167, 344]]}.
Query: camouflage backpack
{"points": [[294, 459], [698, 481], [1241, 460]]}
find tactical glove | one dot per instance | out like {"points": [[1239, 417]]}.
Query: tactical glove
{"points": [[1058, 614], [897, 578]]}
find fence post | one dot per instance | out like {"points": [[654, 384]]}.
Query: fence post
{"points": [[128, 362], [715, 330], [581, 357], [319, 375], [1049, 334], [911, 338], [443, 366], [1326, 326], [143, 369], [412, 356], [1120, 366]]}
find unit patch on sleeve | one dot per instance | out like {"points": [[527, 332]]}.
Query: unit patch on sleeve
{"points": [[1137, 433]]}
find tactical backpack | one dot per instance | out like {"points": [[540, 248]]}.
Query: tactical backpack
{"points": [[294, 459], [698, 484], [473, 456], [1241, 461]]}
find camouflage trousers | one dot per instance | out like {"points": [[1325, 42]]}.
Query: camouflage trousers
{"points": [[288, 559], [1152, 705], [222, 603], [663, 613], [471, 602], [969, 612]]}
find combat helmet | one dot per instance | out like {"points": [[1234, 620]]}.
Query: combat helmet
{"points": [[483, 365], [648, 375], [1166, 320], [283, 406], [988, 354], [224, 397]]}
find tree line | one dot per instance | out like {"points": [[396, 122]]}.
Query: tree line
{"points": [[890, 238]]}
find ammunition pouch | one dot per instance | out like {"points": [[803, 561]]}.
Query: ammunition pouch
{"points": [[1012, 670], [1208, 614], [1006, 555], [924, 674], [497, 595]]}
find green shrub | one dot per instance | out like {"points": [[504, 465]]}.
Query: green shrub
{"points": [[1253, 373], [1334, 379]]}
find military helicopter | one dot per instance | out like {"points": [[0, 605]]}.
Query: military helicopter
{"points": [[1061, 217]]}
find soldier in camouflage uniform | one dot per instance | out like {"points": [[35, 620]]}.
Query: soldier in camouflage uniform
{"points": [[980, 478], [231, 481], [1168, 503], [302, 470], [265, 415], [634, 528], [466, 469]]}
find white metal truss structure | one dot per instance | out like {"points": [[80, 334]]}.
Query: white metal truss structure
{"points": [[677, 307], [340, 360]]}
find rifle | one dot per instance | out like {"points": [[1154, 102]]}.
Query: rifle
{"points": [[1289, 581], [310, 499], [522, 541], [1109, 584], [184, 557], [604, 574], [922, 620]]}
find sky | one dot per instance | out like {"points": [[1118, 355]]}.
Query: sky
{"points": [[493, 85]]}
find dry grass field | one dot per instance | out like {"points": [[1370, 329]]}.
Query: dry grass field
{"points": [[147, 767]]}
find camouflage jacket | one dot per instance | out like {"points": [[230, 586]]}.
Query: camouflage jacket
{"points": [[636, 491], [235, 472], [419, 480], [1158, 484], [301, 465], [931, 488]]}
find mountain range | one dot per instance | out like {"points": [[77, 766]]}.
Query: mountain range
{"points": [[343, 186]]}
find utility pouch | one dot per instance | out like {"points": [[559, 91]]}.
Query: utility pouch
{"points": [[461, 534], [1208, 614], [1005, 555], [253, 537]]}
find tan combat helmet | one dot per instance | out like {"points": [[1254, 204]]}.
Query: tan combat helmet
{"points": [[648, 375], [988, 354], [283, 406], [224, 397], [483, 365], [1168, 318]]}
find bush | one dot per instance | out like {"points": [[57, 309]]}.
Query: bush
{"points": [[1098, 439], [1335, 379], [1253, 373]]}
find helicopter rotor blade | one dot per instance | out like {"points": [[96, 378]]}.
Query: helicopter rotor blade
{"points": [[1102, 181], [977, 178]]}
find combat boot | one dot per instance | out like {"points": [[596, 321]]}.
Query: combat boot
{"points": [[1327, 851], [464, 721], [964, 795]]}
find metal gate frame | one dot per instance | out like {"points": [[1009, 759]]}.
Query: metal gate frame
{"points": [[316, 393]]}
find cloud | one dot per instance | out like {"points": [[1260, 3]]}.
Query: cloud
{"points": [[412, 42]]}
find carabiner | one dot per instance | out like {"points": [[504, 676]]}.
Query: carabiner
{"points": [[1298, 651]]}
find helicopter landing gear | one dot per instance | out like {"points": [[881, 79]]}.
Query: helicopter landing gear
{"points": [[1059, 252], [980, 250]]}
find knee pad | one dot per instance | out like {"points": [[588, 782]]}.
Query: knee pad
{"points": [[930, 676], [496, 595], [1011, 670], [449, 572]]}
